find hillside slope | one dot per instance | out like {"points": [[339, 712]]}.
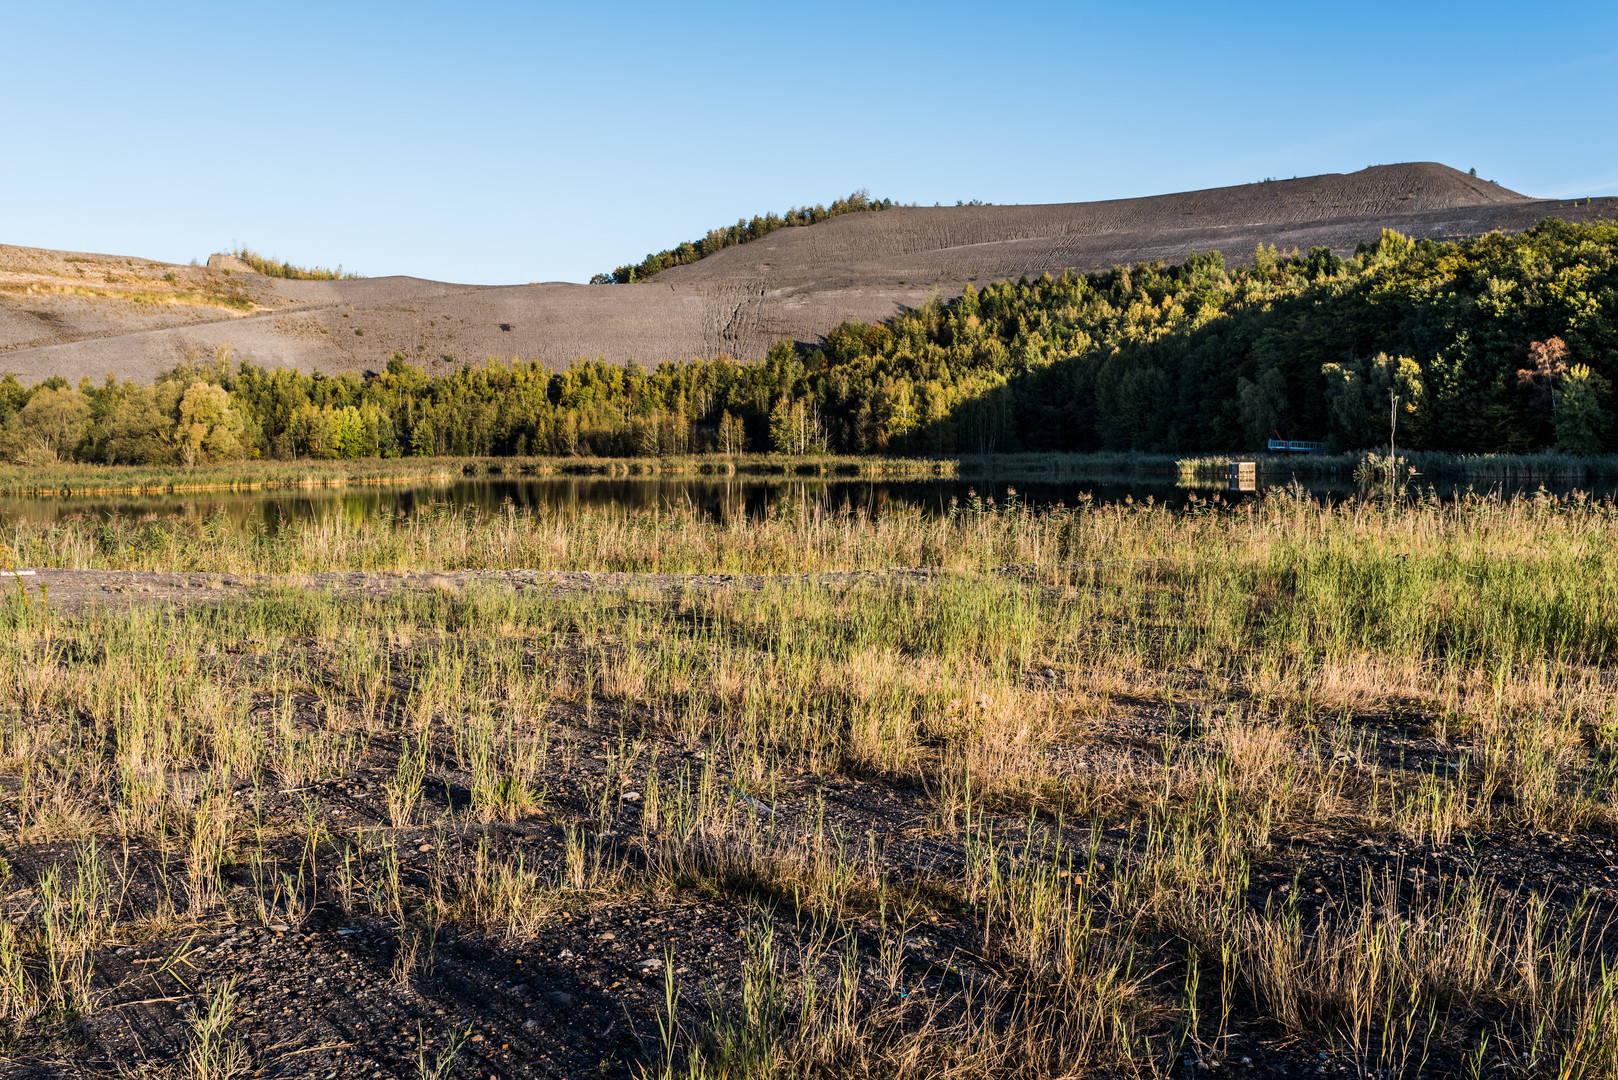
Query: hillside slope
{"points": [[1024, 239], [79, 314]]}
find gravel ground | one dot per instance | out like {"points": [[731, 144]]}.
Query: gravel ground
{"points": [[76, 590]]}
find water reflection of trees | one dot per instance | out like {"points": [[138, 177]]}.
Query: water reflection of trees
{"points": [[726, 500]]}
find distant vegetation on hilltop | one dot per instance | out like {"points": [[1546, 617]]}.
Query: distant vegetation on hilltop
{"points": [[273, 267], [739, 233], [1496, 345]]}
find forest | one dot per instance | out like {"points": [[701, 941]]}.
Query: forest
{"points": [[1492, 345]]}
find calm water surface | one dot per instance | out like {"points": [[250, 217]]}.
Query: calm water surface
{"points": [[722, 499]]}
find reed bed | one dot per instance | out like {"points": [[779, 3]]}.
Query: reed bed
{"points": [[56, 481], [1546, 465]]}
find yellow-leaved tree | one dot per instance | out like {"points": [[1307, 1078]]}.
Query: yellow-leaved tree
{"points": [[209, 429], [52, 425]]}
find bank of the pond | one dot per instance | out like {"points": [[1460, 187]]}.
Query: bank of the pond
{"points": [[720, 498], [69, 480], [794, 533], [59, 481], [1420, 466]]}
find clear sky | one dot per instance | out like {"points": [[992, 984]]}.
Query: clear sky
{"points": [[508, 142]]}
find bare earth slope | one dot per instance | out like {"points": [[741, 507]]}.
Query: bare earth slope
{"points": [[76, 314]]}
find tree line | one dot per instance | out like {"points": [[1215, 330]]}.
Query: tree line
{"points": [[274, 267], [1497, 344], [740, 233]]}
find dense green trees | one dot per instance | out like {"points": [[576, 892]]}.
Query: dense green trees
{"points": [[739, 233], [1583, 419], [1499, 344], [186, 417], [1202, 356]]}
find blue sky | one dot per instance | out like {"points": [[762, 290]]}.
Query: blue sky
{"points": [[489, 142]]}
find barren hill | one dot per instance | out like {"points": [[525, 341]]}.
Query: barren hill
{"points": [[80, 314]]}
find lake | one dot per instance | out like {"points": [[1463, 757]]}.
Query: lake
{"points": [[721, 498]]}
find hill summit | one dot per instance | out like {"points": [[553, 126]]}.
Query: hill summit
{"points": [[77, 314]]}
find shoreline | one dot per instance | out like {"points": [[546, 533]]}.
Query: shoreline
{"points": [[69, 481]]}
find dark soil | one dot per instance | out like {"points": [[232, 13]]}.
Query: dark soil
{"points": [[585, 996]]}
